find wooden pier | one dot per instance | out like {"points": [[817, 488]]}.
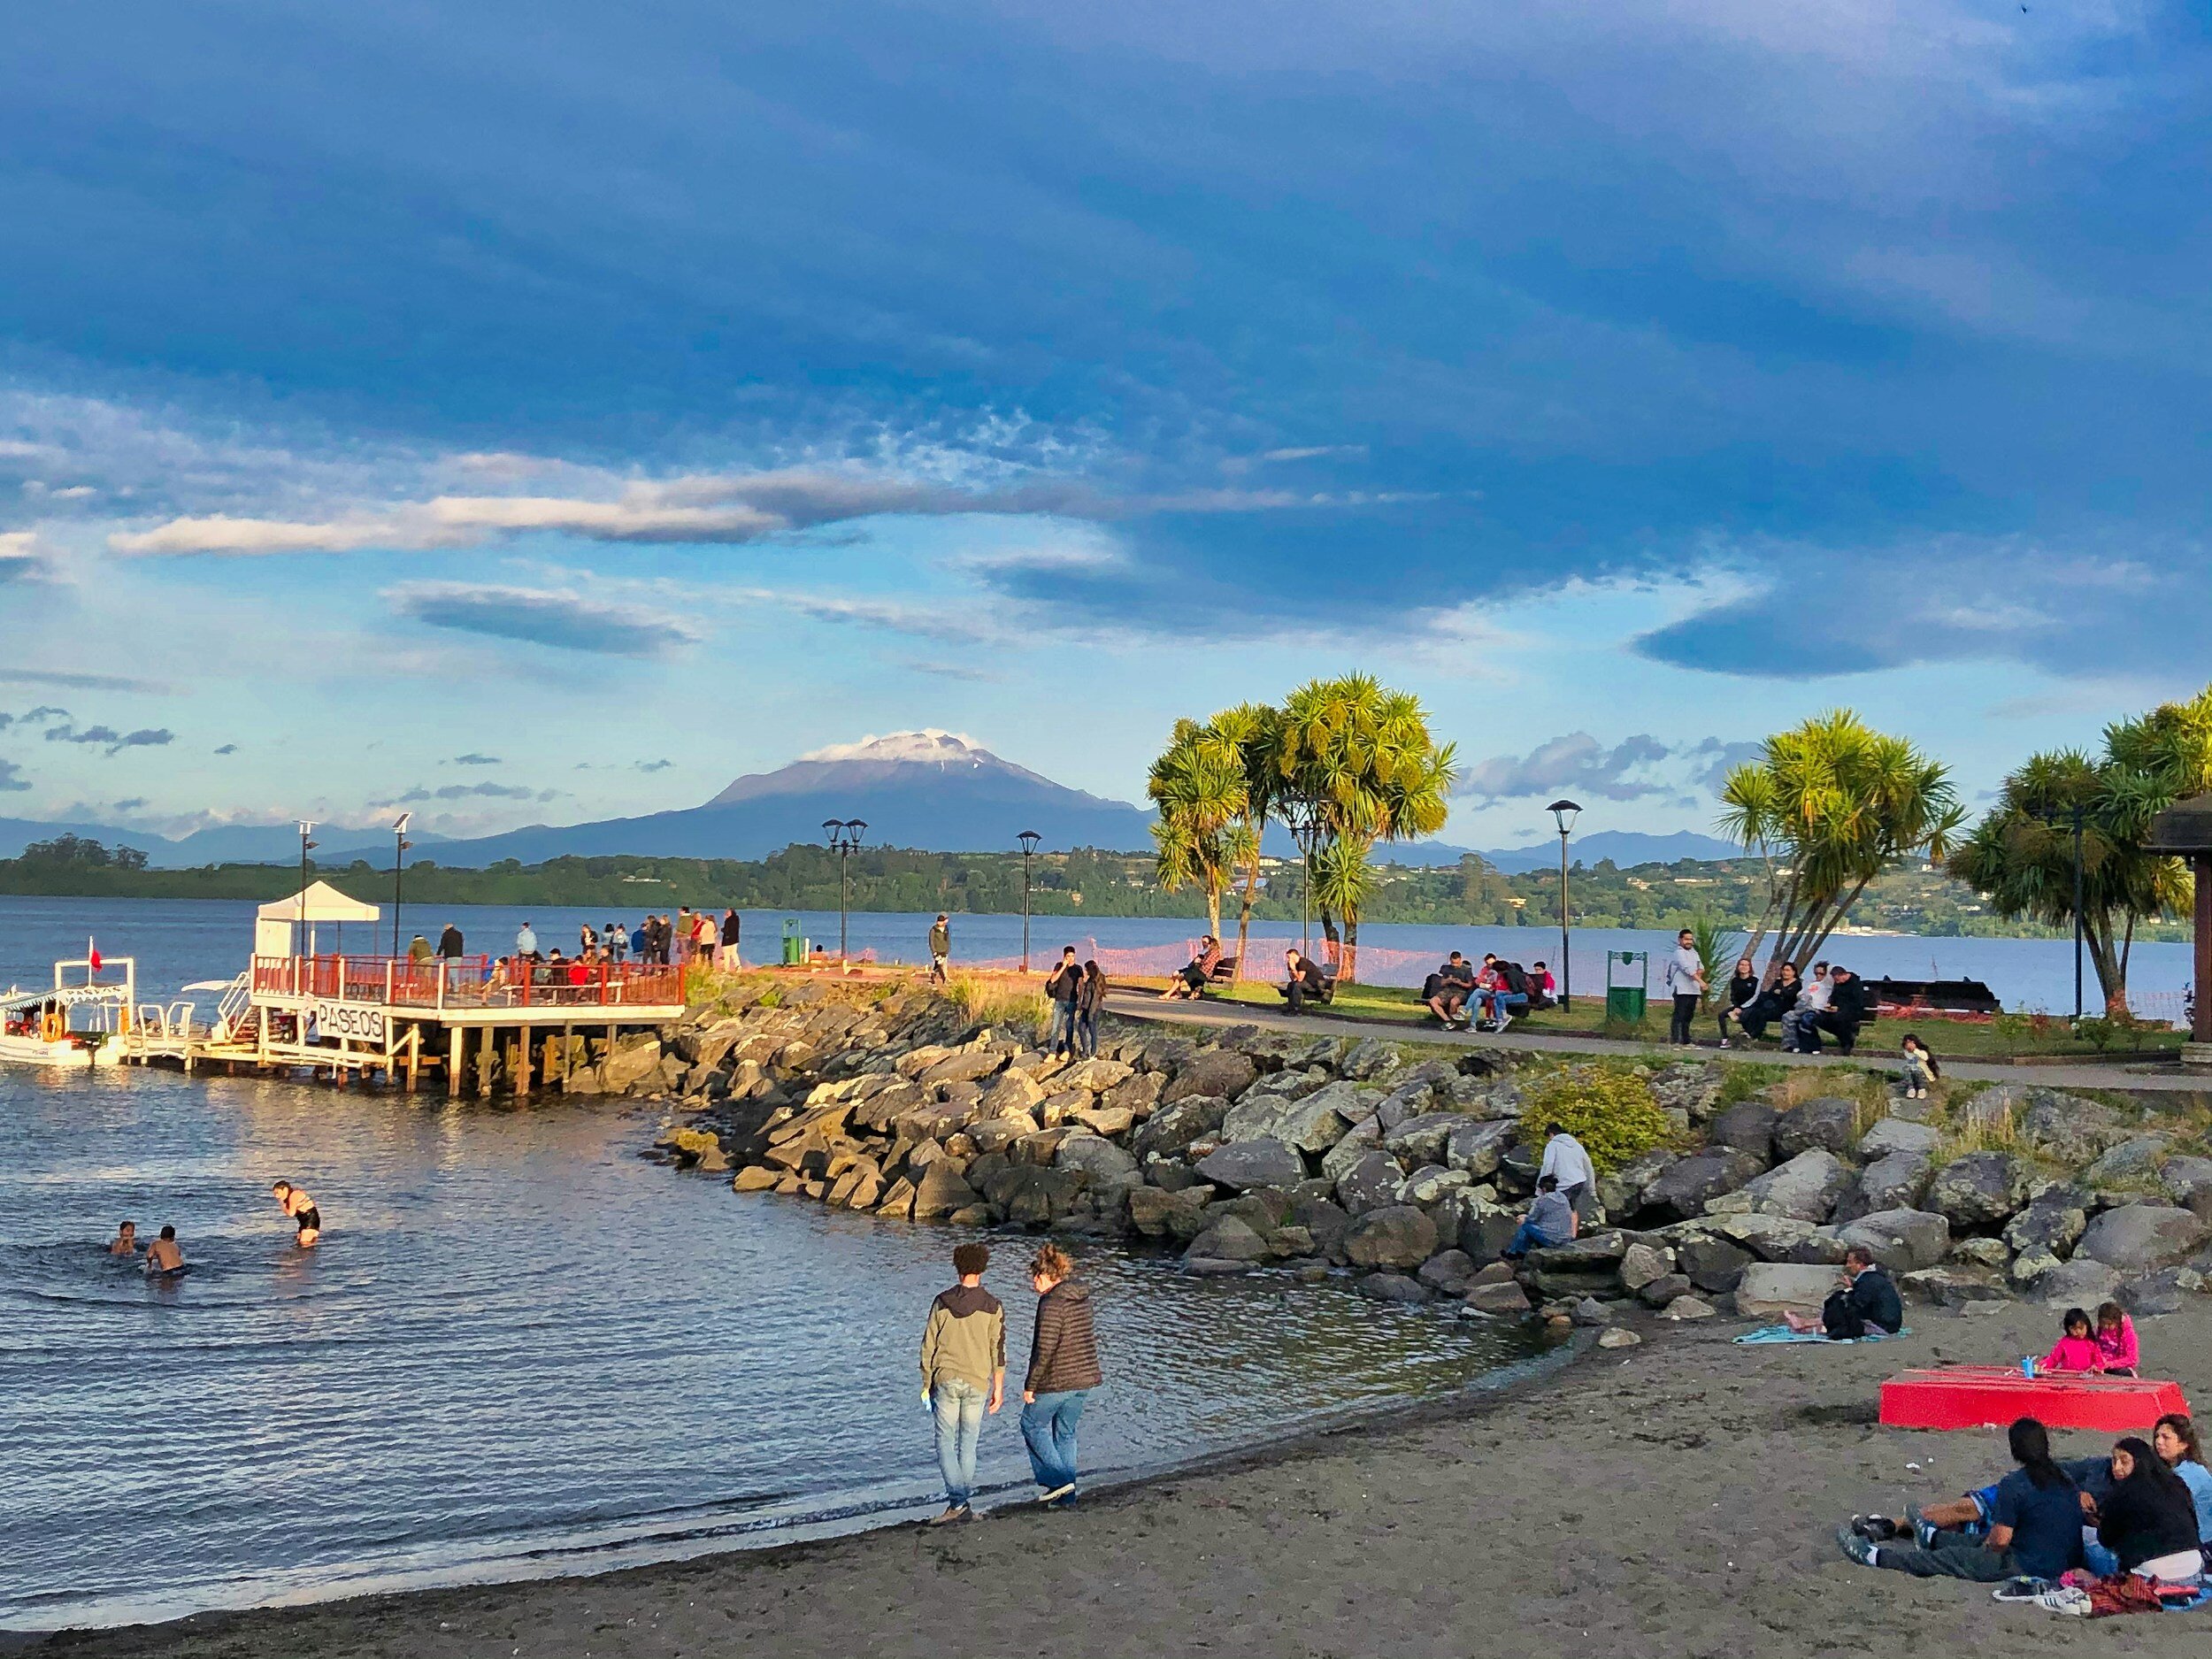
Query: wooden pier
{"points": [[468, 1020]]}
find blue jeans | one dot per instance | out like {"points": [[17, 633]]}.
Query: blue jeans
{"points": [[1086, 1035], [957, 1405], [1048, 1426], [1526, 1238], [1493, 1001], [1063, 1028]]}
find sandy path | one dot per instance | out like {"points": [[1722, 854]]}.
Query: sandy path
{"points": [[1678, 1498]]}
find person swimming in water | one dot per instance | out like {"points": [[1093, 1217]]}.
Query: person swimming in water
{"points": [[164, 1254], [302, 1210], [125, 1241]]}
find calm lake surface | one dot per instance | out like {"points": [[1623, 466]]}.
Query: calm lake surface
{"points": [[522, 1348]]}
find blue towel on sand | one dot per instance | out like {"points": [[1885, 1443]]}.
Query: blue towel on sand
{"points": [[1767, 1333]]}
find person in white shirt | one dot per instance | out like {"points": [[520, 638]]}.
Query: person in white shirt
{"points": [[1566, 1162], [1684, 980], [1810, 1000]]}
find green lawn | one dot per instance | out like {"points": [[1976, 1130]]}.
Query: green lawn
{"points": [[2013, 1039]]}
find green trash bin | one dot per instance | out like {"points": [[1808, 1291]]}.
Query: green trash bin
{"points": [[793, 943], [1626, 1003]]}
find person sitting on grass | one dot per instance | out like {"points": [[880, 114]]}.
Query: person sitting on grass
{"points": [[1445, 992], [2117, 1350], [1197, 974], [1550, 1220], [2076, 1349], [1739, 993], [2034, 1516], [1303, 983], [1922, 1069], [1865, 1302]]}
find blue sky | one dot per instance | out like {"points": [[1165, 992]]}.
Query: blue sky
{"points": [[575, 391]]}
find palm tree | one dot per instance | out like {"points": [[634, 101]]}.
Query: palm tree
{"points": [[1245, 735], [1838, 802], [2021, 856], [1199, 791], [1362, 758]]}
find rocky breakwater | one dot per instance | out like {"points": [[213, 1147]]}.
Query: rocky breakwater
{"points": [[1405, 1176]]}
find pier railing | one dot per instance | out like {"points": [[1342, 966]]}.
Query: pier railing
{"points": [[468, 982]]}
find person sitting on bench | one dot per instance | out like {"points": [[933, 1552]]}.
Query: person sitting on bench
{"points": [[1752, 1018], [1446, 991], [1867, 1301], [1305, 984], [1508, 989], [1846, 1012], [1197, 972]]}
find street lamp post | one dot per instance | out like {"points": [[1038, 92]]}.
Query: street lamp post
{"points": [[844, 839], [400, 844], [306, 846], [1563, 813], [1029, 840], [2076, 912], [1305, 829]]}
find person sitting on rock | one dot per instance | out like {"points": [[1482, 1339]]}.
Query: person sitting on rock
{"points": [[1550, 1220], [1567, 1161], [1865, 1302], [1922, 1069]]}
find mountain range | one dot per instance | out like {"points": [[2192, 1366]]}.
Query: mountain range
{"points": [[929, 790]]}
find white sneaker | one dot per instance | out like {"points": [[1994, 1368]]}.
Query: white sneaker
{"points": [[1503, 1021], [2067, 1601]]}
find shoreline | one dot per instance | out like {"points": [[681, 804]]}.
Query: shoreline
{"points": [[1670, 1499]]}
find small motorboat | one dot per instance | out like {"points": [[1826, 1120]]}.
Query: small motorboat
{"points": [[75, 1022]]}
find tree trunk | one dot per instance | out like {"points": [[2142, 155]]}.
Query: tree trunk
{"points": [[1213, 914], [2112, 975], [1347, 962], [1244, 918], [1332, 946]]}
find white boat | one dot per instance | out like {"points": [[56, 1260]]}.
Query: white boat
{"points": [[74, 1024]]}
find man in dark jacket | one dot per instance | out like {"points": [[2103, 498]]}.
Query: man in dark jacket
{"points": [[1846, 1012], [1065, 987], [1063, 1370], [450, 942], [1304, 983], [940, 948], [733, 934], [1866, 1302]]}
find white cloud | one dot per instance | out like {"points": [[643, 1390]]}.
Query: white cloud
{"points": [[557, 616]]}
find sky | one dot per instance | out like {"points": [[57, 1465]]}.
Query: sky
{"points": [[539, 413]]}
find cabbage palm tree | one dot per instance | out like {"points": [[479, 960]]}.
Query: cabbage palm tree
{"points": [[1247, 734], [1361, 758], [1836, 802], [1200, 794]]}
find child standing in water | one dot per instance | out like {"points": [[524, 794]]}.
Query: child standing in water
{"points": [[302, 1210]]}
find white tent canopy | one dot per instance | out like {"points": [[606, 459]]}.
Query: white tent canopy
{"points": [[274, 921]]}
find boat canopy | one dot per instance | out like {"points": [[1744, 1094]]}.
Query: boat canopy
{"points": [[65, 996]]}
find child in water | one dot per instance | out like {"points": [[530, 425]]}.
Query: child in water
{"points": [[2077, 1350], [2115, 1340], [302, 1210], [1920, 1068]]}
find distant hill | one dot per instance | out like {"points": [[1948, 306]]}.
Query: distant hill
{"points": [[1622, 847], [226, 843], [929, 790]]}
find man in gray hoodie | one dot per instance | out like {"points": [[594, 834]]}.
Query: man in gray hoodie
{"points": [[964, 1373]]}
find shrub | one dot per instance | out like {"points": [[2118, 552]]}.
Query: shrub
{"points": [[1746, 1080], [1611, 1111], [992, 1003]]}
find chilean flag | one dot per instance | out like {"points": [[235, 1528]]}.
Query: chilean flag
{"points": [[92, 953]]}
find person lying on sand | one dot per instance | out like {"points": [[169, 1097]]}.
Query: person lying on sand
{"points": [[164, 1254], [125, 1242]]}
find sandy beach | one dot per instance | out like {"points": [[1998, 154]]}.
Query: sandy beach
{"points": [[1676, 1498]]}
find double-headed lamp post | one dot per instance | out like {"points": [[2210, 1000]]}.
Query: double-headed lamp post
{"points": [[844, 839], [1563, 813], [400, 844], [1305, 829], [1029, 840]]}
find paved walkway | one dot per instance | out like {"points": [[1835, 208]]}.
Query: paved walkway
{"points": [[2150, 1077]]}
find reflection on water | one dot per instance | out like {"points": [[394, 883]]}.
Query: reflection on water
{"points": [[520, 1339]]}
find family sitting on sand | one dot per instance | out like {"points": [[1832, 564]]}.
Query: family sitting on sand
{"points": [[2122, 1533], [964, 1374]]}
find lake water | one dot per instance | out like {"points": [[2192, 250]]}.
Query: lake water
{"points": [[521, 1347]]}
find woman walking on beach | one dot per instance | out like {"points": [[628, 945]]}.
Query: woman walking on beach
{"points": [[1063, 1370]]}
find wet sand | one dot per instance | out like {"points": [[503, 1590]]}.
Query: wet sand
{"points": [[1678, 1498]]}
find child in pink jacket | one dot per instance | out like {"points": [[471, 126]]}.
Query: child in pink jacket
{"points": [[2077, 1350], [2115, 1340]]}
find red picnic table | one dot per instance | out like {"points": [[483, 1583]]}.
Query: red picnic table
{"points": [[1990, 1396]]}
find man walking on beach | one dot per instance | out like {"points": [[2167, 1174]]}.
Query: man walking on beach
{"points": [[1685, 980], [1065, 987], [940, 948], [964, 1374], [1063, 1370]]}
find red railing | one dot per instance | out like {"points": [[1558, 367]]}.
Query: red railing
{"points": [[468, 982]]}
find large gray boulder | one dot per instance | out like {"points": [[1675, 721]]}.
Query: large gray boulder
{"points": [[2134, 1160], [1641, 1263], [1170, 1130], [1248, 1164], [1370, 1184], [1397, 1235], [1318, 1122], [1805, 1189], [1222, 1071], [1979, 1191], [1747, 1125], [1228, 1239], [2059, 1126], [2190, 1181], [1370, 1059], [1712, 1265], [1902, 1239], [2043, 1235], [940, 1191], [2080, 1283], [1622, 1191], [1829, 1123], [1357, 1142], [1894, 1182], [1432, 1184], [1592, 1251], [1769, 1289], [1479, 1147], [1687, 1188], [1105, 1163], [1159, 1214], [2136, 1238], [1422, 1140], [1892, 1135]]}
